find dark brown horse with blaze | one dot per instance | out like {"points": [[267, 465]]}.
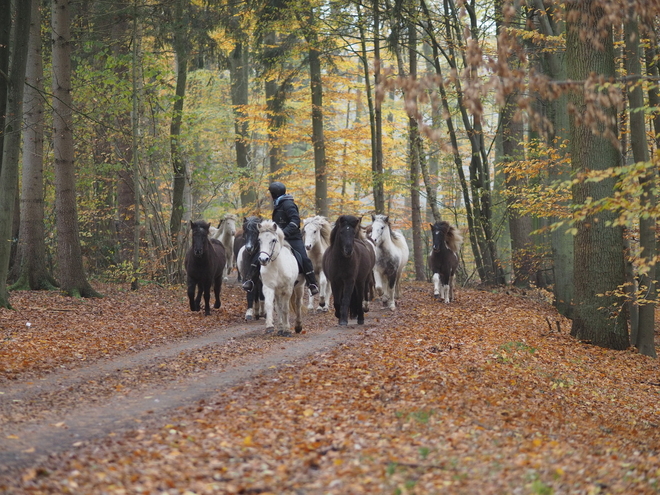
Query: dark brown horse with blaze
{"points": [[348, 265]]}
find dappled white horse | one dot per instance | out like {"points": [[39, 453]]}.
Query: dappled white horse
{"points": [[225, 233], [391, 258], [316, 236], [283, 284]]}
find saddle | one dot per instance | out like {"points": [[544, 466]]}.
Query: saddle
{"points": [[298, 257]]}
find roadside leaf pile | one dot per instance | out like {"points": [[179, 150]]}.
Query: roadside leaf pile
{"points": [[486, 395]]}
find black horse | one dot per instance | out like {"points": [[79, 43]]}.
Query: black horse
{"points": [[348, 264], [249, 245], [205, 263], [443, 259]]}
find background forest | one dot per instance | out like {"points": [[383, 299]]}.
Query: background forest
{"points": [[531, 125]]}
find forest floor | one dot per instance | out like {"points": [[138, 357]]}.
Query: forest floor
{"points": [[133, 393]]}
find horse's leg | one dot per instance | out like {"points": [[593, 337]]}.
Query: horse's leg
{"points": [[250, 297], [283, 300], [324, 293], [310, 303], [378, 280], [345, 304], [444, 289], [191, 295], [436, 285], [217, 287], [207, 299], [298, 292], [269, 300], [359, 288], [261, 305]]}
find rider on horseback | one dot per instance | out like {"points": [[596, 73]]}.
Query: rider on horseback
{"points": [[286, 215]]}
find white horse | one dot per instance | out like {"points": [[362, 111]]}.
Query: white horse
{"points": [[225, 233], [316, 236], [391, 258], [283, 285]]}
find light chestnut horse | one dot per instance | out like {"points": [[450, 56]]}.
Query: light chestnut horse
{"points": [[225, 233], [316, 236]]}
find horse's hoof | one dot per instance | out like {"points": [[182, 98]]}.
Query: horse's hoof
{"points": [[298, 328], [343, 323], [436, 296], [217, 305], [270, 330], [284, 333], [248, 318], [360, 321]]}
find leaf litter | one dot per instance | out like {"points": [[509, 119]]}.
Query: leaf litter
{"points": [[483, 395]]}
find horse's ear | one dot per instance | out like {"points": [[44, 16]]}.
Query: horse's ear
{"points": [[274, 229], [431, 226], [387, 219], [373, 217], [192, 224]]}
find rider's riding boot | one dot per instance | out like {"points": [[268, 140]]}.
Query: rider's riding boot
{"points": [[310, 277]]}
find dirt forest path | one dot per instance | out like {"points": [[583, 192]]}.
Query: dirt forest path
{"points": [[53, 414], [489, 394]]}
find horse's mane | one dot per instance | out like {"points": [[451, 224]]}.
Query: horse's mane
{"points": [[452, 235], [323, 224], [230, 216], [395, 235], [271, 225]]}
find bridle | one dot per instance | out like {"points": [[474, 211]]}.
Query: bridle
{"points": [[270, 255]]}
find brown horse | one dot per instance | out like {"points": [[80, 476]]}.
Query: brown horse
{"points": [[205, 263], [348, 264]]}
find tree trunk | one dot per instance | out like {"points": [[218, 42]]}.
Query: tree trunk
{"points": [[135, 140], [415, 168], [5, 43], [643, 338], [275, 100], [11, 137], [599, 263], [239, 77], [33, 273], [511, 132], [318, 138], [378, 177], [178, 163]]}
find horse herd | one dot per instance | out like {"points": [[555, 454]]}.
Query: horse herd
{"points": [[352, 263]]}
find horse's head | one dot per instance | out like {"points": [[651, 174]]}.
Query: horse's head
{"points": [[439, 235], [270, 241], [251, 234], [347, 229], [228, 224], [311, 233], [380, 227], [200, 236]]}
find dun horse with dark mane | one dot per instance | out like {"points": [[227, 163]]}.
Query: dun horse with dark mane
{"points": [[443, 260], [348, 264], [205, 263]]}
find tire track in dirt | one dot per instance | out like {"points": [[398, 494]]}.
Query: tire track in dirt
{"points": [[22, 445]]}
